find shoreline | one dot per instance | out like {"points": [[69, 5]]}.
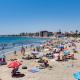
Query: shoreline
{"points": [[17, 48]]}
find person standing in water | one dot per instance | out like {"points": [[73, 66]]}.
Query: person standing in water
{"points": [[15, 53]]}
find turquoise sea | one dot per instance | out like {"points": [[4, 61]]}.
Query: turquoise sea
{"points": [[8, 44]]}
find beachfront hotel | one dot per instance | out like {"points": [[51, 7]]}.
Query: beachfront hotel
{"points": [[45, 34]]}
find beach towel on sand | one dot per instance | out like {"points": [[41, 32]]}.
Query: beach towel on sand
{"points": [[77, 75], [66, 52], [34, 69]]}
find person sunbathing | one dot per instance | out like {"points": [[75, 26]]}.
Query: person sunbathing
{"points": [[45, 64], [40, 60], [28, 57], [70, 56]]}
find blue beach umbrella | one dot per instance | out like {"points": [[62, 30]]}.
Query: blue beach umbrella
{"points": [[66, 52], [77, 75]]}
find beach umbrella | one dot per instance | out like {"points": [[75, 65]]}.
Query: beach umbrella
{"points": [[14, 64], [77, 75], [66, 52]]}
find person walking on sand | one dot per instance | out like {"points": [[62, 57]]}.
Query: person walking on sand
{"points": [[23, 51]]}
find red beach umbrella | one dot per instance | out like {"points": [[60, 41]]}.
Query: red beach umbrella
{"points": [[14, 64]]}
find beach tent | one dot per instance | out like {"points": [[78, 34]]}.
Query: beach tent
{"points": [[77, 75], [2, 60]]}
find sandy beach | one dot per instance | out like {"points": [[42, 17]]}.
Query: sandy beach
{"points": [[61, 70], [39, 39]]}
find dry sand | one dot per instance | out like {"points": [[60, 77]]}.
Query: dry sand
{"points": [[60, 70]]}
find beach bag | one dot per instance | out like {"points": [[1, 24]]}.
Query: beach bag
{"points": [[24, 67]]}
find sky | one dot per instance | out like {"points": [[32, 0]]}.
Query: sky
{"points": [[18, 16]]}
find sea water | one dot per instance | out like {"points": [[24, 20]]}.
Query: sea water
{"points": [[8, 44]]}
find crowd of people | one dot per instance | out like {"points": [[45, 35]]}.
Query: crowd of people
{"points": [[59, 50]]}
